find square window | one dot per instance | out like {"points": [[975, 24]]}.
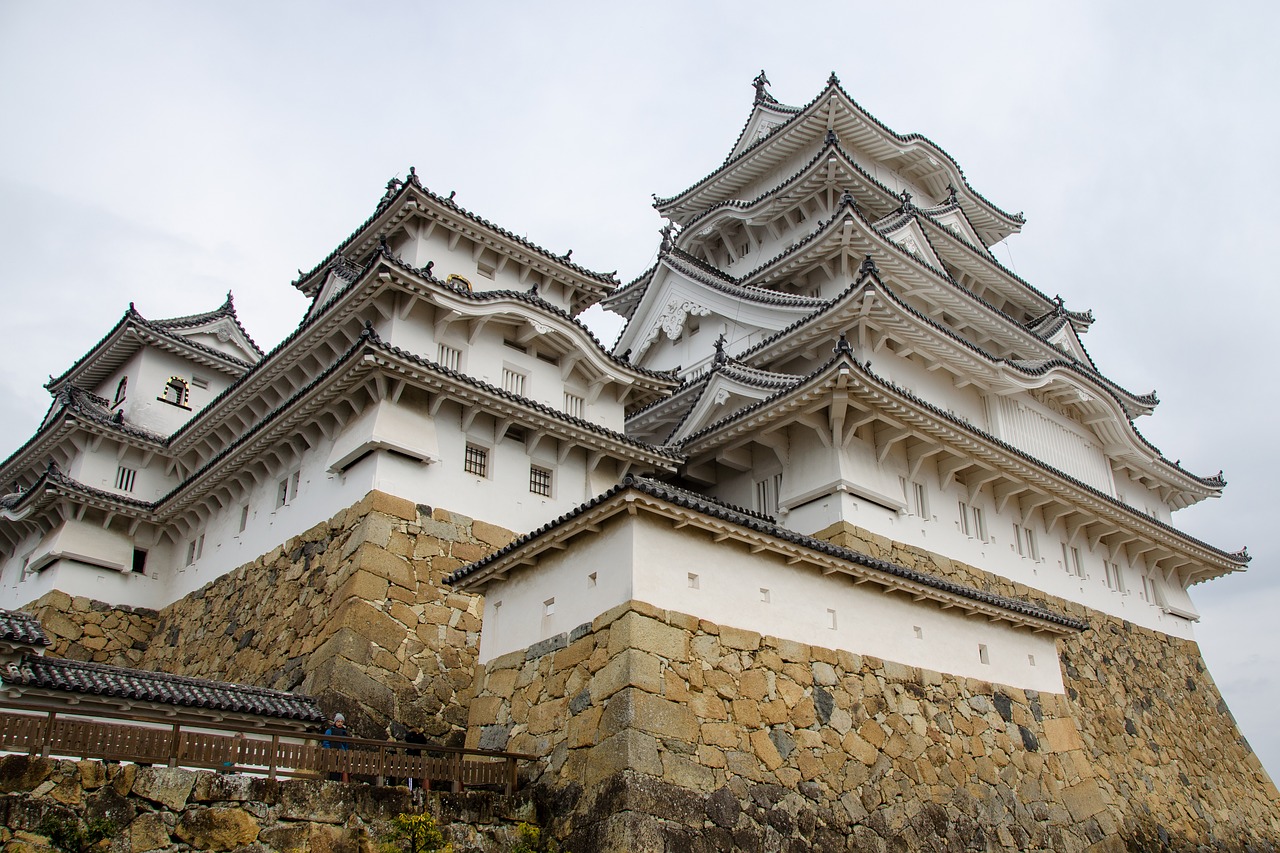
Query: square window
{"points": [[449, 357], [513, 381], [693, 581], [476, 461], [540, 481]]}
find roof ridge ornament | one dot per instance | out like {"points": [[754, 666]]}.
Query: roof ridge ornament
{"points": [[842, 346], [720, 357], [666, 231], [952, 193], [760, 82], [832, 138], [426, 270], [413, 177], [868, 266], [833, 80]]}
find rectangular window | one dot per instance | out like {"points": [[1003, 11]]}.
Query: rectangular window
{"points": [[124, 478], [1114, 579], [964, 518], [200, 546], [199, 381], [540, 481], [920, 499], [764, 595], [767, 494], [1033, 549], [573, 405], [244, 517], [1071, 561], [918, 632], [982, 654], [979, 523], [450, 357], [139, 566], [831, 619], [693, 581], [476, 461], [1149, 592], [513, 381], [191, 552]]}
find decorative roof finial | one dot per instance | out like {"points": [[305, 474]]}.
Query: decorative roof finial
{"points": [[832, 139], [533, 289], [720, 357], [383, 247], [906, 199], [427, 269], [666, 232], [951, 194], [1059, 305], [452, 193], [842, 346], [567, 255], [626, 355], [760, 82], [833, 80], [846, 199], [868, 266], [392, 186]]}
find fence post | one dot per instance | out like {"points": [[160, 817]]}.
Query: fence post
{"points": [[511, 775], [275, 755], [457, 772], [174, 746], [381, 778], [48, 736]]}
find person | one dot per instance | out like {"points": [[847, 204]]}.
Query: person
{"points": [[338, 728]]}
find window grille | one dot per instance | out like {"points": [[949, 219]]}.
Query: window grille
{"points": [[450, 357], [512, 381], [964, 518], [125, 478], [476, 461], [573, 405], [540, 481]]}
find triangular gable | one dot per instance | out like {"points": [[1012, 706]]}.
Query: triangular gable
{"points": [[911, 238], [223, 335], [1066, 339], [724, 393], [955, 221]]}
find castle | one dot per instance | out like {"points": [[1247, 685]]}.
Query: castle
{"points": [[845, 538]]}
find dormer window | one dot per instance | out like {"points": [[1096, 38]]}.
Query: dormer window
{"points": [[176, 392], [120, 391]]}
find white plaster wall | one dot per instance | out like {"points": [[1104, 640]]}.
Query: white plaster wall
{"points": [[154, 369], [515, 608], [645, 559]]}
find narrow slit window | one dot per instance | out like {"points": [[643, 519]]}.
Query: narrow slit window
{"points": [[244, 517], [964, 518], [449, 357], [983, 657], [125, 478], [831, 619], [918, 632]]}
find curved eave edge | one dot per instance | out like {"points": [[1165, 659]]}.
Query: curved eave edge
{"points": [[844, 363], [759, 533]]}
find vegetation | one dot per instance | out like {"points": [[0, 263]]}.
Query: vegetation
{"points": [[532, 840], [415, 833], [71, 835]]}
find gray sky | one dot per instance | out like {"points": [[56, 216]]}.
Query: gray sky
{"points": [[164, 153]]}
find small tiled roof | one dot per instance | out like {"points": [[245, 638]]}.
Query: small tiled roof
{"points": [[141, 685], [19, 627], [766, 525]]}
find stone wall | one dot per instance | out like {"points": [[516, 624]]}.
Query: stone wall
{"points": [[660, 731], [354, 612], [83, 629], [153, 808]]}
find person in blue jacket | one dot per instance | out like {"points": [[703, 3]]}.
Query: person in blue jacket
{"points": [[338, 728]]}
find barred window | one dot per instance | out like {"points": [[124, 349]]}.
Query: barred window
{"points": [[573, 405], [540, 481], [476, 461], [512, 381], [450, 357], [125, 478]]}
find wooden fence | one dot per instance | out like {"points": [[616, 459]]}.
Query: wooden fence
{"points": [[272, 752]]}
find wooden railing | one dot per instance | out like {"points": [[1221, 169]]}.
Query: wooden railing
{"points": [[273, 752]]}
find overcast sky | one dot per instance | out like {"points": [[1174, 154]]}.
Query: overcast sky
{"points": [[166, 153]]}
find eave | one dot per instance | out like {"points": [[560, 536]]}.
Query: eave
{"points": [[845, 396], [759, 535]]}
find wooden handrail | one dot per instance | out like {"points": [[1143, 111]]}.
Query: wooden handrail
{"points": [[142, 738]]}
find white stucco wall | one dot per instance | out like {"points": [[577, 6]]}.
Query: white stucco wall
{"points": [[645, 559]]}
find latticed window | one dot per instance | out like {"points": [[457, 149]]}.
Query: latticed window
{"points": [[573, 405], [125, 478], [450, 357], [513, 381], [476, 461], [540, 481]]}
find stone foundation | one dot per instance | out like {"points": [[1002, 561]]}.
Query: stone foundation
{"points": [[353, 612], [151, 808], [660, 731]]}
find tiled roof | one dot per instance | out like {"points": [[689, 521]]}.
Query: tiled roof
{"points": [[397, 188], [19, 627], [833, 84], [227, 310], [844, 359], [766, 525], [144, 686]]}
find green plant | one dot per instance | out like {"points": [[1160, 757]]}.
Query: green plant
{"points": [[71, 835], [415, 833], [532, 840]]}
